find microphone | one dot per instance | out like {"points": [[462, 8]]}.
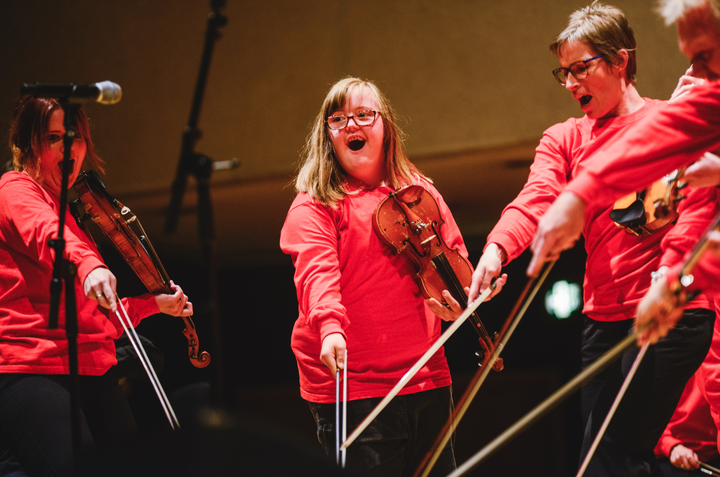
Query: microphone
{"points": [[105, 92]]}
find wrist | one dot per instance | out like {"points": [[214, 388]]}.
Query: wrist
{"points": [[498, 251], [658, 274]]}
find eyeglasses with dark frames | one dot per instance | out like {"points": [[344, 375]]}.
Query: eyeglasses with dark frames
{"points": [[366, 117], [578, 69]]}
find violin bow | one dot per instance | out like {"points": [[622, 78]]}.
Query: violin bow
{"points": [[518, 311], [709, 469], [340, 454], [613, 408], [142, 355], [690, 263], [550, 403], [417, 366]]}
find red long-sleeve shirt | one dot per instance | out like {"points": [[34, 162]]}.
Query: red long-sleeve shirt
{"points": [[695, 421], [671, 137], [692, 424], [349, 282], [705, 273], [619, 264], [28, 218]]}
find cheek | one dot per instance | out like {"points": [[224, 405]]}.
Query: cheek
{"points": [[80, 148], [49, 156]]}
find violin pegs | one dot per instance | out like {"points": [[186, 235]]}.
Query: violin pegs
{"points": [[679, 198], [480, 354]]}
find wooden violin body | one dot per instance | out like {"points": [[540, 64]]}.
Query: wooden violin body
{"points": [[648, 211], [409, 221], [124, 230]]}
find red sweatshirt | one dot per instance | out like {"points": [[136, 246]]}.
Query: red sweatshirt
{"points": [[619, 264], [692, 424], [670, 138], [695, 421], [28, 218], [349, 282], [705, 273]]}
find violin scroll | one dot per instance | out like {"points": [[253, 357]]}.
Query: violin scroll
{"points": [[409, 222], [124, 230]]}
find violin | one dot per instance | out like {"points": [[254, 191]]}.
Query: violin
{"points": [[409, 221], [124, 230], [648, 211]]}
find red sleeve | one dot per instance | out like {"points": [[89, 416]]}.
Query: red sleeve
{"points": [[696, 213], [548, 175], [28, 224], [704, 275], [670, 138], [310, 237], [692, 409], [140, 307]]}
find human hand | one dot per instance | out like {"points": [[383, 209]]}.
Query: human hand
{"points": [[442, 311], [332, 353], [684, 458], [488, 267], [100, 285], [685, 84], [559, 228], [661, 305], [705, 172], [176, 304]]}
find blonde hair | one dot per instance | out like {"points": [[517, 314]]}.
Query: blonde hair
{"points": [[606, 30], [321, 175], [673, 10]]}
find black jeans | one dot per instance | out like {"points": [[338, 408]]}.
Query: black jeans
{"points": [[35, 419], [626, 448], [398, 439]]}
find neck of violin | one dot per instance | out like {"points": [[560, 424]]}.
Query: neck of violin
{"points": [[456, 290]]}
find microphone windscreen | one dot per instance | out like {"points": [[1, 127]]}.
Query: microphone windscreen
{"points": [[110, 93]]}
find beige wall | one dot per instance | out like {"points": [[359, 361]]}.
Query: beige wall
{"points": [[468, 75]]}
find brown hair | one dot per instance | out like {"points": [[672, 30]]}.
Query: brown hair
{"points": [[321, 175], [28, 133], [606, 30]]}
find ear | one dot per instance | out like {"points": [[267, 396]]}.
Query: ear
{"points": [[621, 61]]}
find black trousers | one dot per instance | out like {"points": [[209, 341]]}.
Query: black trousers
{"points": [[398, 439], [35, 419], [626, 448]]}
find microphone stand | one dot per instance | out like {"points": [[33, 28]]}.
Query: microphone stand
{"points": [[201, 166], [65, 270]]}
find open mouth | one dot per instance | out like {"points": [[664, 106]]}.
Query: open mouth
{"points": [[356, 144], [584, 100], [72, 164]]}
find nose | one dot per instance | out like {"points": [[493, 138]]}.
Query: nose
{"points": [[571, 83], [351, 118]]}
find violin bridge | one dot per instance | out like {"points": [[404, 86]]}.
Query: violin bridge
{"points": [[427, 240]]}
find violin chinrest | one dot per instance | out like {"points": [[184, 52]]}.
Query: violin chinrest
{"points": [[632, 216]]}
